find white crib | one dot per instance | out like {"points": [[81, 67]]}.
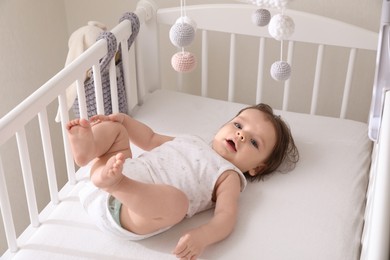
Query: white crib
{"points": [[334, 205]]}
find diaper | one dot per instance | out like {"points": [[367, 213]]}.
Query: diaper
{"points": [[114, 206], [104, 210]]}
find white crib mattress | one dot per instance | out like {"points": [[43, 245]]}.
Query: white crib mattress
{"points": [[313, 212]]}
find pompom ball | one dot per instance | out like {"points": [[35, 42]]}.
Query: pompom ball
{"points": [[261, 17], [280, 70], [188, 20], [281, 26], [183, 61], [182, 34]]}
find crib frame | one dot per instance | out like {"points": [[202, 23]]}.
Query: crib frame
{"points": [[142, 75]]}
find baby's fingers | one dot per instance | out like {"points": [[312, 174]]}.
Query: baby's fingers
{"points": [[180, 247], [184, 250], [98, 118]]}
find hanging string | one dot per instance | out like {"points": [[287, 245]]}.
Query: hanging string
{"points": [[181, 35], [182, 10], [182, 3], [281, 49]]}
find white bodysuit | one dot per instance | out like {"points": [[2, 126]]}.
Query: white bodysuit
{"points": [[187, 163], [191, 165]]}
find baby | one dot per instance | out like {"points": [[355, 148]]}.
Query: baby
{"points": [[176, 177]]}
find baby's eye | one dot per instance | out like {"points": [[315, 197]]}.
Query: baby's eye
{"points": [[238, 125], [254, 143]]}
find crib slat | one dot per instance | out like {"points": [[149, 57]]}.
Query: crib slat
{"points": [[133, 100], [27, 177], [48, 154], [132, 97], [286, 94], [348, 83], [129, 63], [205, 58], [98, 89], [317, 78], [232, 68], [6, 212], [81, 98], [141, 77], [113, 87], [260, 71], [68, 153]]}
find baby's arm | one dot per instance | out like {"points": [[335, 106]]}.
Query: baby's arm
{"points": [[192, 244], [139, 133]]}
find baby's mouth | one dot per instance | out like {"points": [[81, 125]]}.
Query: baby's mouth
{"points": [[232, 145]]}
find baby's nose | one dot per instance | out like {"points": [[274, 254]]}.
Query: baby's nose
{"points": [[241, 136]]}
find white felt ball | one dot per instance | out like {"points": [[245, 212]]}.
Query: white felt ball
{"points": [[186, 19], [280, 70], [281, 26], [181, 34], [261, 17], [183, 61]]}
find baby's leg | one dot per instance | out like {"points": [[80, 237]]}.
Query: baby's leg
{"points": [[100, 140], [145, 207]]}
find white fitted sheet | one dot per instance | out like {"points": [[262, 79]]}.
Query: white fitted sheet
{"points": [[313, 212]]}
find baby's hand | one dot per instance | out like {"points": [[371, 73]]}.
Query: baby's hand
{"points": [[190, 245], [119, 117], [98, 118], [114, 117]]}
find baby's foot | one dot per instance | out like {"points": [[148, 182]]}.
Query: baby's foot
{"points": [[111, 174], [81, 141]]}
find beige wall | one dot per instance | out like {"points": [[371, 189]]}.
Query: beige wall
{"points": [[33, 36], [364, 13]]}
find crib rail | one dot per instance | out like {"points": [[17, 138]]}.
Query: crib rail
{"points": [[14, 124], [306, 31]]}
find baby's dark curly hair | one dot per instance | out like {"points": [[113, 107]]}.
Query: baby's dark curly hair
{"points": [[284, 152]]}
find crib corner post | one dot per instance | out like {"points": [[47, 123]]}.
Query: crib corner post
{"points": [[146, 10]]}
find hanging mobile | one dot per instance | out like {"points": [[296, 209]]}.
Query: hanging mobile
{"points": [[261, 17], [280, 27], [182, 34]]}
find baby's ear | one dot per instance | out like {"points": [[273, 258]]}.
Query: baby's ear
{"points": [[255, 171]]}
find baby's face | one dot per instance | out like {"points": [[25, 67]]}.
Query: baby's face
{"points": [[246, 141]]}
